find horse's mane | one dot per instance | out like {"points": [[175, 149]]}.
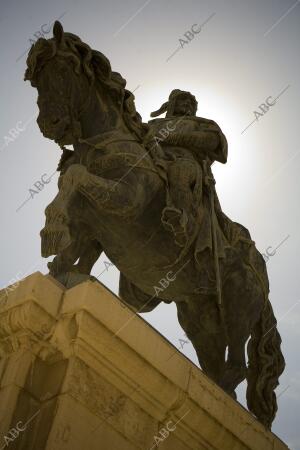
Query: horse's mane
{"points": [[93, 64]]}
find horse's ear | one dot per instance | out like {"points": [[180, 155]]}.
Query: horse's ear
{"points": [[58, 31]]}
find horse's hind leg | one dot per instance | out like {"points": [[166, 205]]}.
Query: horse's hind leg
{"points": [[243, 299], [235, 366], [201, 322]]}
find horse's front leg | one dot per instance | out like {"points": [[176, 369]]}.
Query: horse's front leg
{"points": [[87, 253], [125, 197], [65, 233], [65, 260]]}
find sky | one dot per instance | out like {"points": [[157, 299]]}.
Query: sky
{"points": [[242, 66]]}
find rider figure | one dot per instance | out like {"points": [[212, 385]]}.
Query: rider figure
{"points": [[189, 145]]}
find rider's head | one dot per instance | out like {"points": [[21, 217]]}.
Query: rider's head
{"points": [[180, 103]]}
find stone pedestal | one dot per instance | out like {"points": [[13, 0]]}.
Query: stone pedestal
{"points": [[80, 371]]}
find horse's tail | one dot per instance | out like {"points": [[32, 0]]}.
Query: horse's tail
{"points": [[266, 364]]}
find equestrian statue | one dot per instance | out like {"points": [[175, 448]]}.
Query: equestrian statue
{"points": [[144, 193]]}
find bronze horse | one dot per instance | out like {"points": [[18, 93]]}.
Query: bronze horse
{"points": [[111, 196]]}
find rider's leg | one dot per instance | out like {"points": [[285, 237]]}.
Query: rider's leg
{"points": [[178, 215]]}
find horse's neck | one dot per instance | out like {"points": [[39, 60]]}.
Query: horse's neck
{"points": [[101, 116]]}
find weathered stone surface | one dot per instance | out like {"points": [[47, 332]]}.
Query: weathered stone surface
{"points": [[98, 376]]}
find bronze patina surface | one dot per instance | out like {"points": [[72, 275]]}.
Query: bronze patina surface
{"points": [[145, 195]]}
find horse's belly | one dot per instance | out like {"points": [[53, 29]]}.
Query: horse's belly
{"points": [[149, 262]]}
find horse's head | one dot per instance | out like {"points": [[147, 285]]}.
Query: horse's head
{"points": [[73, 81], [55, 71]]}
